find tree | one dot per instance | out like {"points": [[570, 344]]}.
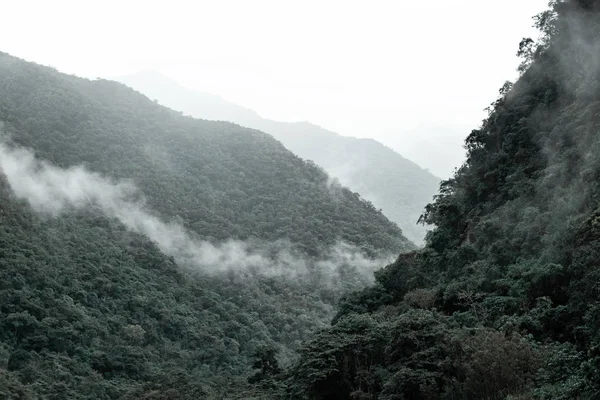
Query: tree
{"points": [[265, 364]]}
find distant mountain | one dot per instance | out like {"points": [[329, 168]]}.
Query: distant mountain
{"points": [[391, 182], [438, 147], [161, 88]]}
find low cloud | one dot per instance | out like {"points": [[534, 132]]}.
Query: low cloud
{"points": [[54, 191]]}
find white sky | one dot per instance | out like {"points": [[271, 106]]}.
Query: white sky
{"points": [[415, 75]]}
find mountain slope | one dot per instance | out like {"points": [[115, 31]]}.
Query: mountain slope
{"points": [[503, 300], [396, 185], [222, 180], [97, 300]]}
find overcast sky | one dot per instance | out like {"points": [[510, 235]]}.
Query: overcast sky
{"points": [[415, 75]]}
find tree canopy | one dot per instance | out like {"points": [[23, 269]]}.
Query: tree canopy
{"points": [[91, 310], [502, 301]]}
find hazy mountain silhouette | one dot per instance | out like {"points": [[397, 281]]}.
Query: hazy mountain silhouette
{"points": [[398, 186]]}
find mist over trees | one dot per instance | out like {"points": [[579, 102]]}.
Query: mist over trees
{"points": [[221, 180], [148, 254], [398, 186], [501, 303]]}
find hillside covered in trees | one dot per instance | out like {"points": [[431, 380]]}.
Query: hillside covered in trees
{"points": [[398, 186], [503, 301], [101, 191], [222, 180]]}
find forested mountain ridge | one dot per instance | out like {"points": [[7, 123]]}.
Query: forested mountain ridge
{"points": [[502, 303], [222, 180], [92, 307], [396, 185]]}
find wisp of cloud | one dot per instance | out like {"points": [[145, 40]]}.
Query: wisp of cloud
{"points": [[53, 190]]}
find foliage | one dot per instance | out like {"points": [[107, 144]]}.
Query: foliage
{"points": [[396, 185], [218, 179], [502, 301], [90, 310]]}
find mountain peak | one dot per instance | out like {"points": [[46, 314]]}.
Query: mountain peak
{"points": [[156, 85]]}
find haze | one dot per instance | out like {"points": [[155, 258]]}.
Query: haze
{"points": [[414, 75]]}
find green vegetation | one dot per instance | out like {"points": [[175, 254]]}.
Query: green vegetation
{"points": [[396, 185], [399, 187], [220, 180], [502, 303], [91, 310]]}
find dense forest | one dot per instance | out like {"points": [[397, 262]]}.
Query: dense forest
{"points": [[501, 303], [391, 182], [223, 181], [92, 306]]}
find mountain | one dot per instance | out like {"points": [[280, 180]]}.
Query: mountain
{"points": [[443, 144], [223, 181], [145, 254], [396, 185], [503, 301], [166, 91]]}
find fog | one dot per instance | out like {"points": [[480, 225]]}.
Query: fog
{"points": [[54, 191], [414, 75], [563, 193]]}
